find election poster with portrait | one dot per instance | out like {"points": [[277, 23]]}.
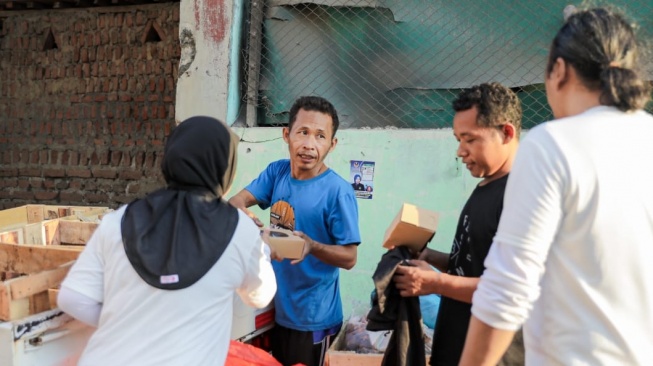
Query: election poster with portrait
{"points": [[361, 176]]}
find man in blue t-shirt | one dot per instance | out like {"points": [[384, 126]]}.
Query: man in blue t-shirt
{"points": [[307, 197]]}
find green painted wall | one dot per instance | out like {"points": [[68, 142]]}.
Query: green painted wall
{"points": [[414, 166]]}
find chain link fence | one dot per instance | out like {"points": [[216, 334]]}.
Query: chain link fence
{"points": [[400, 63]]}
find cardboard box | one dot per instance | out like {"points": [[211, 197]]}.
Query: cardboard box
{"points": [[286, 244], [413, 227], [337, 355]]}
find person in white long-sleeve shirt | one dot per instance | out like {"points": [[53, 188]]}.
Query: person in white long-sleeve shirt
{"points": [[572, 256], [158, 277]]}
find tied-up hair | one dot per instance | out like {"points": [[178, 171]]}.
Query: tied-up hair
{"points": [[602, 47]]}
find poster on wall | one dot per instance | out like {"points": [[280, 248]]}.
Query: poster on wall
{"points": [[361, 175]]}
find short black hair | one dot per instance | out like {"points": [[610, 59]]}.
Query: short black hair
{"points": [[317, 104], [496, 105]]}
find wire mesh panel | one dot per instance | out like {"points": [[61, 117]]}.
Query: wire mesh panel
{"points": [[400, 63]]}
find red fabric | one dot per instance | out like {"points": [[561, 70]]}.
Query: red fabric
{"points": [[241, 354]]}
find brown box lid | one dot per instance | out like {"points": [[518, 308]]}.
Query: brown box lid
{"points": [[413, 227]]}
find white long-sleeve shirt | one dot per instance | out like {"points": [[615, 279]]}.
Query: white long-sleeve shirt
{"points": [[143, 325], [573, 255]]}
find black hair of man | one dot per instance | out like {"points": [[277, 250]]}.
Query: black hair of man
{"points": [[495, 103], [316, 104]]}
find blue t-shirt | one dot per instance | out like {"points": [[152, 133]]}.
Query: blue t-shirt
{"points": [[325, 209]]}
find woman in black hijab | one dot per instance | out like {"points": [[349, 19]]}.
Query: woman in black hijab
{"points": [[158, 276], [176, 234]]}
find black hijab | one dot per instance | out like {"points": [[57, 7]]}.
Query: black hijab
{"points": [[175, 235]]}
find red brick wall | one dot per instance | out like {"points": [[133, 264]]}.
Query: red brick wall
{"points": [[85, 123]]}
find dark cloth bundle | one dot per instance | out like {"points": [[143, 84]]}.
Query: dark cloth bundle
{"points": [[402, 315]]}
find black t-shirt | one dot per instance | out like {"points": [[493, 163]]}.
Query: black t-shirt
{"points": [[477, 225]]}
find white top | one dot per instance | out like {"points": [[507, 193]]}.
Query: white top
{"points": [[142, 325], [574, 249]]}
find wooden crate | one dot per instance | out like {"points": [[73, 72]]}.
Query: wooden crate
{"points": [[12, 236], [33, 259], [52, 297], [21, 225], [31, 272], [58, 232], [20, 216]]}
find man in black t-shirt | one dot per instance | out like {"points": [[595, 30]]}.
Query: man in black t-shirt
{"points": [[486, 124]]}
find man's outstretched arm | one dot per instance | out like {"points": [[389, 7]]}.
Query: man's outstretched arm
{"points": [[342, 256], [244, 199]]}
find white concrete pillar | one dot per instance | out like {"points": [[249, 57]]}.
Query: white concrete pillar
{"points": [[205, 28]]}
